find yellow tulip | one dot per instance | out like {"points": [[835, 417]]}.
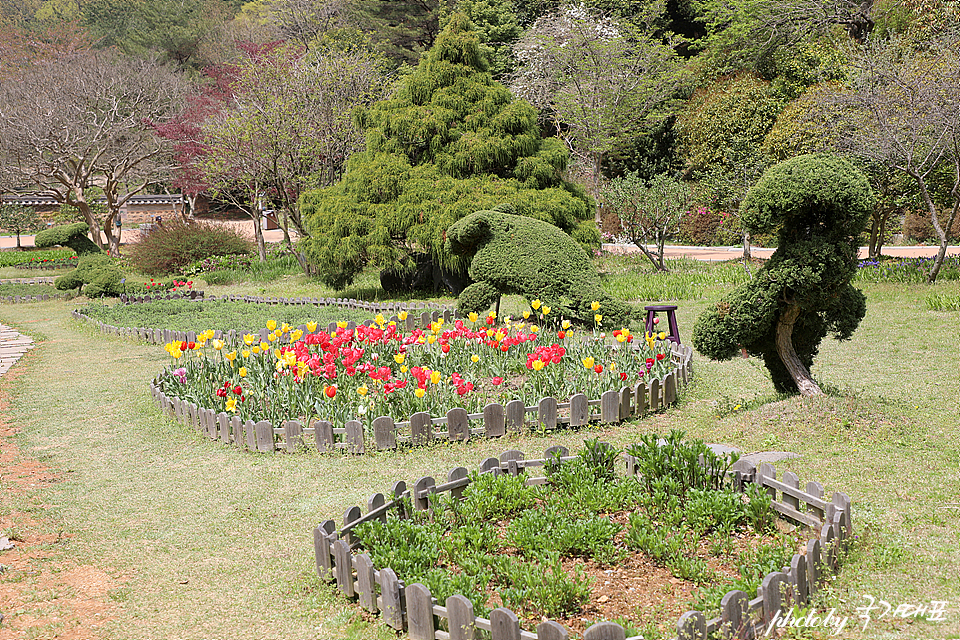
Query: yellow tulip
{"points": [[217, 344], [255, 350], [400, 357], [311, 326], [526, 314], [403, 369], [546, 310], [535, 304], [362, 390], [242, 372], [341, 324], [285, 328], [435, 377], [271, 324], [537, 365], [662, 336], [296, 335], [230, 356], [565, 325], [277, 354], [265, 347], [402, 315], [419, 392], [248, 339], [431, 339], [475, 358], [176, 353], [380, 320], [271, 337], [231, 404], [588, 362], [472, 316], [598, 318], [595, 306], [534, 328]]}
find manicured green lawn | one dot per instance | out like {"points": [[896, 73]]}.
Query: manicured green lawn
{"points": [[209, 542]]}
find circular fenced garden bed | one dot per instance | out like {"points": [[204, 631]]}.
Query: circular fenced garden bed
{"points": [[384, 382]]}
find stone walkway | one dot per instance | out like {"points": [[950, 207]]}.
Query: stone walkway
{"points": [[12, 346]]}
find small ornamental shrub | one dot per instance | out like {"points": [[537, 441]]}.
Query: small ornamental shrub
{"points": [[169, 248], [517, 254], [68, 235], [99, 272]]}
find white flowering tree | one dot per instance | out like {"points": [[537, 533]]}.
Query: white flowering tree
{"points": [[597, 81]]}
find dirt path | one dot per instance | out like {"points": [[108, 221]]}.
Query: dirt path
{"points": [[43, 593]]}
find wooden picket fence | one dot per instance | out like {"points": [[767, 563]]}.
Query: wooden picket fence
{"points": [[34, 298], [413, 609], [343, 303]]}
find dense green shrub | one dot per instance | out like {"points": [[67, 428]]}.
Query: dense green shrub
{"points": [[174, 245], [99, 272], [515, 254], [68, 235], [821, 204]]}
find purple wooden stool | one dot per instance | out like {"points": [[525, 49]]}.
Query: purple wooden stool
{"points": [[671, 311]]}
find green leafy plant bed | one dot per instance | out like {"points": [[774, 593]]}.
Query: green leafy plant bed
{"points": [[383, 381], [187, 315], [17, 289], [585, 543]]}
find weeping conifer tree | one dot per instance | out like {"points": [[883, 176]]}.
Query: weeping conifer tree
{"points": [[449, 142]]}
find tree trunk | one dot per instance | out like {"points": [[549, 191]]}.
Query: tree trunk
{"points": [[258, 234], [746, 246], [286, 228], [873, 251], [941, 231], [788, 354]]}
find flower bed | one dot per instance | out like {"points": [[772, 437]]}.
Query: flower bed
{"points": [[385, 377], [431, 607]]}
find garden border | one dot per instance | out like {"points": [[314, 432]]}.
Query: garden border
{"points": [[23, 299], [413, 609], [419, 429]]}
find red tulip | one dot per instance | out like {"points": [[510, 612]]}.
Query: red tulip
{"points": [[331, 391]]}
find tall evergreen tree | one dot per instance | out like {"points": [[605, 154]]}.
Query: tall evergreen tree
{"points": [[450, 141]]}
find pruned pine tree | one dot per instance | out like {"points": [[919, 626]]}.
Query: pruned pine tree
{"points": [[449, 142]]}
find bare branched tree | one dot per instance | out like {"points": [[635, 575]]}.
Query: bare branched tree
{"points": [[903, 111], [287, 127], [78, 122]]}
